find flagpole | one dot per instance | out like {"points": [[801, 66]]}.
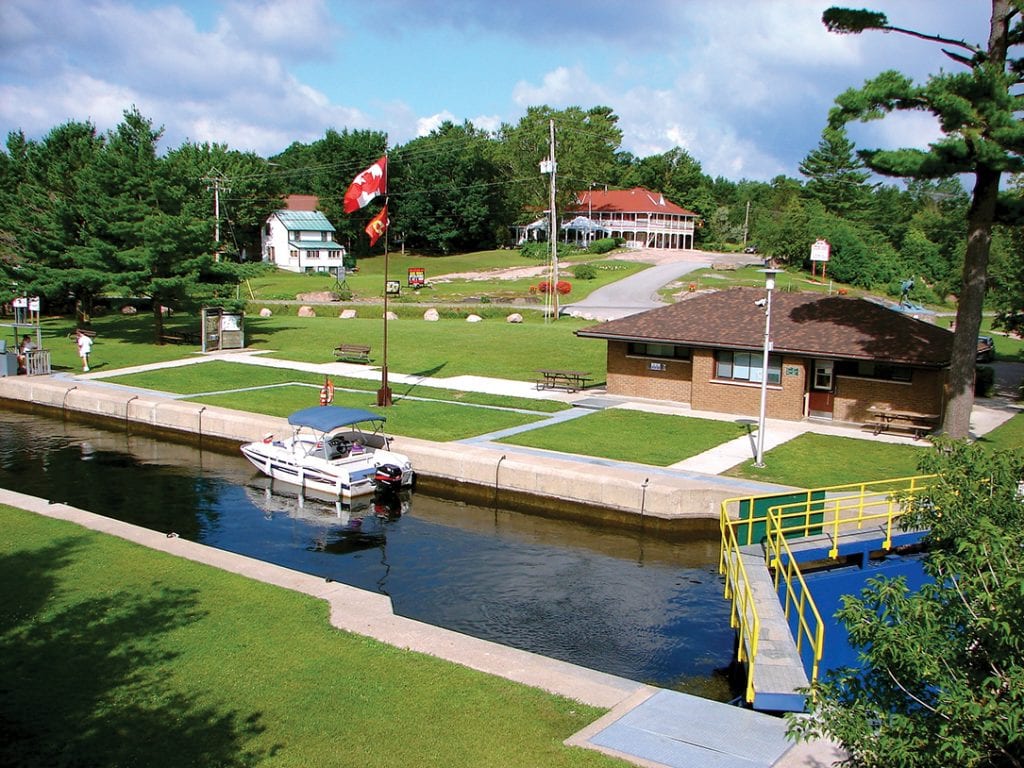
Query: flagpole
{"points": [[384, 393]]}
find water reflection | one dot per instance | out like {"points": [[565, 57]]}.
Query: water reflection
{"points": [[620, 602]]}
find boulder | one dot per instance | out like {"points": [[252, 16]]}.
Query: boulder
{"points": [[266, 313], [389, 315], [515, 317], [347, 314], [317, 296], [431, 315], [473, 319], [306, 311], [129, 310]]}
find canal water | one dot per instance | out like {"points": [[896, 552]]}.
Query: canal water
{"points": [[626, 603]]}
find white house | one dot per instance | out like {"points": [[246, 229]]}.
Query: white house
{"points": [[301, 240]]}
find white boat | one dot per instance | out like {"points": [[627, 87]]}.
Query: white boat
{"points": [[330, 452]]}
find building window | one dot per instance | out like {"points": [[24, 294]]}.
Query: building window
{"points": [[640, 349], [747, 366], [862, 369], [312, 254], [266, 229]]}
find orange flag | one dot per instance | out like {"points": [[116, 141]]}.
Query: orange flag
{"points": [[378, 225]]}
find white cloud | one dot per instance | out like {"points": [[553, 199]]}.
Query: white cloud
{"points": [[425, 125]]}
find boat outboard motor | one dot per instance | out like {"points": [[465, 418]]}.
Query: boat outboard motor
{"points": [[388, 477]]}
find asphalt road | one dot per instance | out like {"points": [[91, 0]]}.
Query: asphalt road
{"points": [[639, 292]]}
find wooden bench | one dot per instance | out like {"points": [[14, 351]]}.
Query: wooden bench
{"points": [[570, 381], [352, 353], [888, 420]]}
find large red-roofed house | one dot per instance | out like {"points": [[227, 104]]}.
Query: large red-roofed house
{"points": [[642, 218]]}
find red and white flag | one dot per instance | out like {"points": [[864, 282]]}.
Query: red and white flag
{"points": [[378, 225], [367, 185]]}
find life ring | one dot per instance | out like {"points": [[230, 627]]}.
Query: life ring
{"points": [[327, 393]]}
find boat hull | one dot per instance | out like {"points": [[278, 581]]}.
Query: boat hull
{"points": [[346, 479]]}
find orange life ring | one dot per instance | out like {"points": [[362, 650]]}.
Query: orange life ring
{"points": [[327, 393]]}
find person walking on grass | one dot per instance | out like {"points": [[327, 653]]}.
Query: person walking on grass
{"points": [[84, 348]]}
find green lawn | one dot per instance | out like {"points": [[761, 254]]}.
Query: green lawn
{"points": [[426, 420], [646, 438], [218, 376], [444, 348], [817, 461], [117, 655], [368, 281]]}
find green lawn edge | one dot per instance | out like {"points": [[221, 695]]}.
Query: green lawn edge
{"points": [[114, 654]]}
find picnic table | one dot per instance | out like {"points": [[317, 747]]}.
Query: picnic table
{"points": [[567, 380], [887, 419]]}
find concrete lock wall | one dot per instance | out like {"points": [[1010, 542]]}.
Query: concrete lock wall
{"points": [[555, 486]]}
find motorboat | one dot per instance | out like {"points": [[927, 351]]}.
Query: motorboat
{"points": [[339, 451]]}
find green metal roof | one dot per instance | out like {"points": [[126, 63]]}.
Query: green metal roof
{"points": [[305, 220]]}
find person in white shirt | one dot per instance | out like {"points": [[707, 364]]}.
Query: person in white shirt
{"points": [[84, 348]]}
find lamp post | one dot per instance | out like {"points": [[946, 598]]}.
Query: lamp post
{"points": [[769, 284]]}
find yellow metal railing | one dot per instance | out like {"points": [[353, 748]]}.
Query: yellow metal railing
{"points": [[743, 615], [829, 510]]}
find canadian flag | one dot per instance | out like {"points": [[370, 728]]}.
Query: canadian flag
{"points": [[367, 185], [378, 225]]}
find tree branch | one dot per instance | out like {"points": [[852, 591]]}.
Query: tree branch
{"points": [[924, 704]]}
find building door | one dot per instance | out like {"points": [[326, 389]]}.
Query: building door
{"points": [[821, 402]]}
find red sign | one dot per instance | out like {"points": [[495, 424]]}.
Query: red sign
{"points": [[417, 277]]}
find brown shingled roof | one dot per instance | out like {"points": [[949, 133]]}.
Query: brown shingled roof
{"points": [[807, 324]]}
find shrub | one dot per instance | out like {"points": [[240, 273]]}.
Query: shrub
{"points": [[584, 272], [604, 245], [542, 250], [563, 287]]}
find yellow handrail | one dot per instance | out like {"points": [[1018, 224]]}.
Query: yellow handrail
{"points": [[827, 509]]}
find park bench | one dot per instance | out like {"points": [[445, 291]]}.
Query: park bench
{"points": [[888, 420], [570, 381], [352, 353]]}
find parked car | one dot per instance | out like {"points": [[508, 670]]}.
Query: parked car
{"points": [[750, 249], [986, 349]]}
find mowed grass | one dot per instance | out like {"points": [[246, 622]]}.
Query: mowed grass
{"points": [[219, 376], [427, 420], [117, 655], [816, 461], [636, 436], [368, 281], [445, 348]]}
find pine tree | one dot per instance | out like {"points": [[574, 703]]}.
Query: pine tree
{"points": [[836, 178], [978, 112]]}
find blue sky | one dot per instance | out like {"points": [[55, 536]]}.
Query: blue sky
{"points": [[744, 86]]}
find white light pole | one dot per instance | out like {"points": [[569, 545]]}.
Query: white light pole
{"points": [[769, 284]]}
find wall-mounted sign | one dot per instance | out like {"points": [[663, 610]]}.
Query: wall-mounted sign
{"points": [[656, 366], [417, 277], [393, 287], [792, 370]]}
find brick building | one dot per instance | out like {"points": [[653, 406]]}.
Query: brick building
{"points": [[832, 357]]}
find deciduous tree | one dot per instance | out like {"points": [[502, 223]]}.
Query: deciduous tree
{"points": [[942, 677]]}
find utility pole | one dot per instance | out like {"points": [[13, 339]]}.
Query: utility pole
{"points": [[214, 181], [746, 222], [550, 166]]}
